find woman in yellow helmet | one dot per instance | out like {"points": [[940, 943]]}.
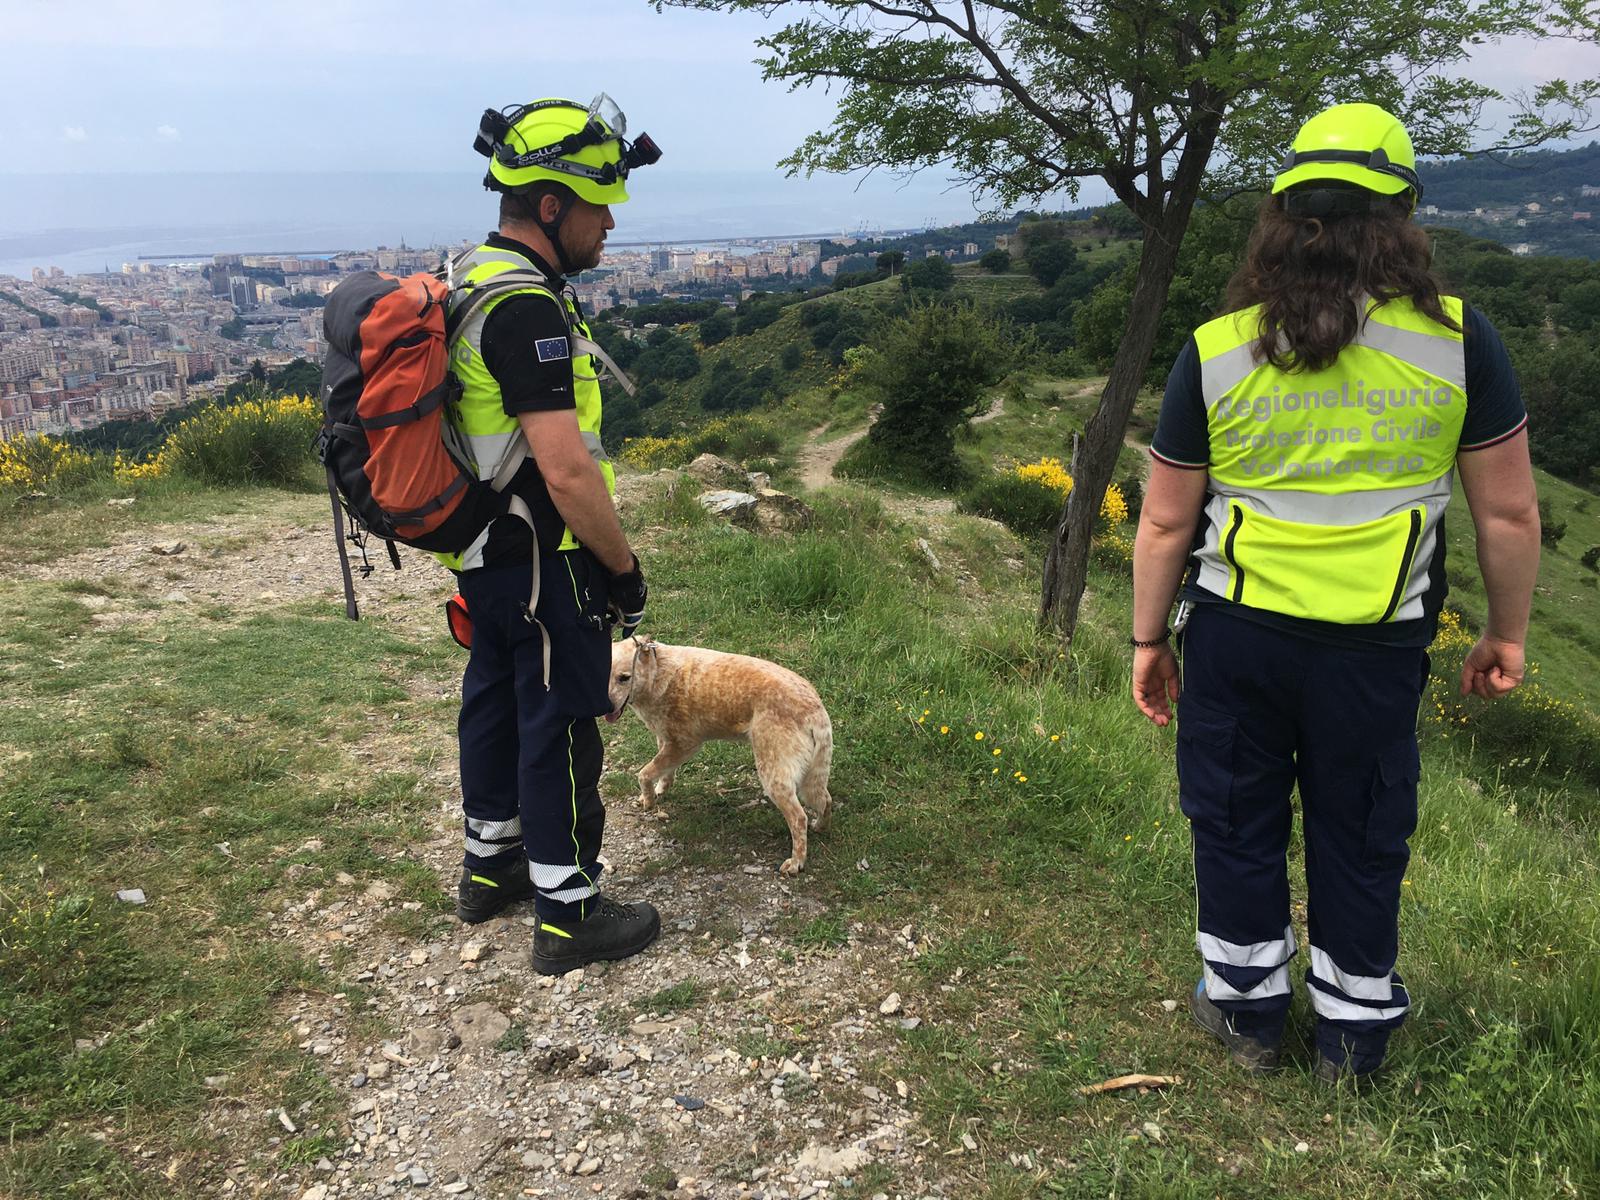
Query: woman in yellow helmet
{"points": [[1302, 464]]}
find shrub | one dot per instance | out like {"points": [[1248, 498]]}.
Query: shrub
{"points": [[791, 356], [928, 275], [1591, 558], [1133, 494], [753, 317], [668, 357], [653, 453], [996, 262], [1551, 531], [743, 437], [1028, 500], [1049, 261], [1028, 507], [716, 328], [930, 373], [258, 441], [623, 418], [38, 463], [730, 389]]}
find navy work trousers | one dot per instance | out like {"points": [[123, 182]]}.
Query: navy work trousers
{"points": [[531, 754], [1263, 710]]}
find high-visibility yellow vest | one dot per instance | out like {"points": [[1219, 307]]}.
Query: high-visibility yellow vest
{"points": [[480, 430], [1326, 488]]}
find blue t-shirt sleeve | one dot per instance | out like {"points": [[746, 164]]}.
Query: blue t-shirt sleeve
{"points": [[1182, 438], [1495, 410]]}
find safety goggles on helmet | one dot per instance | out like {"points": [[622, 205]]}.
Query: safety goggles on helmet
{"points": [[604, 122], [1373, 160]]}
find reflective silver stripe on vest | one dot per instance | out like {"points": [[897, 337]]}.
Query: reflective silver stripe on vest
{"points": [[1344, 508], [1350, 508], [1439, 356], [1442, 357], [1219, 375]]}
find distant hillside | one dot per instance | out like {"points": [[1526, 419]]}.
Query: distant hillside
{"points": [[1484, 180], [1534, 199]]}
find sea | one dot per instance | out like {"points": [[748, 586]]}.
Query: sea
{"points": [[84, 223]]}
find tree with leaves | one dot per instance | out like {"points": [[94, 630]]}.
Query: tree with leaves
{"points": [[996, 262], [930, 373], [1164, 102], [1049, 261], [928, 275]]}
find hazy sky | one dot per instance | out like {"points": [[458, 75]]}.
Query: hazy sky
{"points": [[230, 85]]}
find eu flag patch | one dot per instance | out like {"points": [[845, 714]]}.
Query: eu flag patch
{"points": [[551, 349]]}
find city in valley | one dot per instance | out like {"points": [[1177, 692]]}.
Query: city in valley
{"points": [[134, 343]]}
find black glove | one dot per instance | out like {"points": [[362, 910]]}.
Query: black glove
{"points": [[626, 595]]}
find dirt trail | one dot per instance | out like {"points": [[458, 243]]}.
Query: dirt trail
{"points": [[817, 459], [734, 1059]]}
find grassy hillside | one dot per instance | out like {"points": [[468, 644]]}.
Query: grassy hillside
{"points": [[764, 347], [999, 797]]}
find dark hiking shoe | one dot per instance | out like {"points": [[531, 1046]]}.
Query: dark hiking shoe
{"points": [[1250, 1054], [610, 932], [483, 894], [1332, 1073]]}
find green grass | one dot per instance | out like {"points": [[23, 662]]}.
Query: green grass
{"points": [[199, 762], [685, 994], [1565, 639]]}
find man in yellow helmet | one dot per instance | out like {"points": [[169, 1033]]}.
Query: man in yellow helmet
{"points": [[544, 583], [1303, 461]]}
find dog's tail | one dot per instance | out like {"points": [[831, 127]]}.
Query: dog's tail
{"points": [[814, 784]]}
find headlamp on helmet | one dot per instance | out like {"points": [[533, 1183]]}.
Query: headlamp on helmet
{"points": [[604, 122]]}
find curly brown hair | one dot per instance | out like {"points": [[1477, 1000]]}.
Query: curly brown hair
{"points": [[1307, 275]]}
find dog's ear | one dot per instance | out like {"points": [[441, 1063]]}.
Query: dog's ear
{"points": [[647, 643]]}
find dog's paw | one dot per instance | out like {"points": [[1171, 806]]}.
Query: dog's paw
{"points": [[819, 824], [792, 866], [646, 801]]}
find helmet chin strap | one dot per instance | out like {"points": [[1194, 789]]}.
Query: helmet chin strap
{"points": [[552, 229]]}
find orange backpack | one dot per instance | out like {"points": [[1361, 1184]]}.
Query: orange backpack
{"points": [[385, 384]]}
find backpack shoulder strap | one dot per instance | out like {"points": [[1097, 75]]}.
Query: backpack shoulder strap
{"points": [[471, 297]]}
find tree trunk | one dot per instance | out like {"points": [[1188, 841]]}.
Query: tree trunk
{"points": [[1066, 565]]}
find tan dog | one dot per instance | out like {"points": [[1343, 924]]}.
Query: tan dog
{"points": [[687, 696]]}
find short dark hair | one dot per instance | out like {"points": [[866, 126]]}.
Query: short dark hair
{"points": [[523, 204]]}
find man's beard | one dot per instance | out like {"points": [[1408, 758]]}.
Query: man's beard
{"points": [[583, 262]]}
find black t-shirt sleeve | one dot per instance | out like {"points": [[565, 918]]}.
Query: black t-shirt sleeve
{"points": [[1495, 410], [1182, 438], [526, 348]]}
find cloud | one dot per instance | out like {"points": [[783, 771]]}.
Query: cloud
{"points": [[167, 133], [75, 133]]}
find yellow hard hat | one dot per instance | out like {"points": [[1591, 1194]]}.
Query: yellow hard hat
{"points": [[562, 141], [1359, 144]]}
